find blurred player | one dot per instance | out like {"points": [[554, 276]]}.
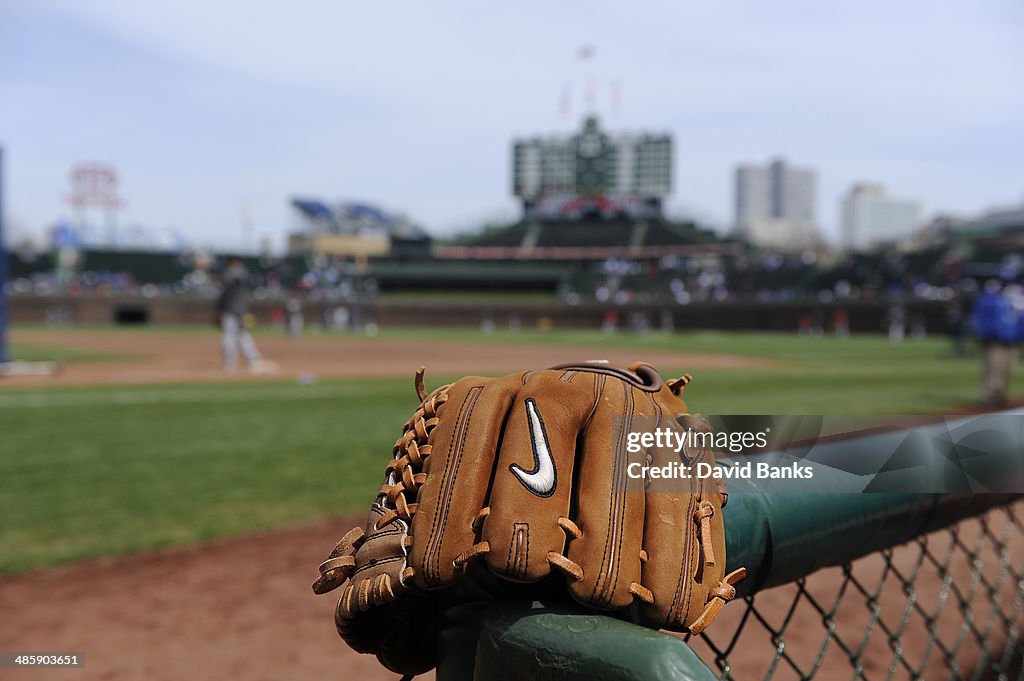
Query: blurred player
{"points": [[232, 311], [956, 322], [295, 321], [841, 323], [897, 320], [803, 325]]}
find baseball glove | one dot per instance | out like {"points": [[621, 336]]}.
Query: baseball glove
{"points": [[529, 475]]}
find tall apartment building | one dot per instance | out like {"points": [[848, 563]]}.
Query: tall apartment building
{"points": [[870, 218], [775, 205]]}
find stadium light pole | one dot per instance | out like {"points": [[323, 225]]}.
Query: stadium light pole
{"points": [[3, 271]]}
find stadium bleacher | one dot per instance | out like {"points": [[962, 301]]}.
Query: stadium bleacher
{"points": [[505, 237], [664, 233], [566, 233]]}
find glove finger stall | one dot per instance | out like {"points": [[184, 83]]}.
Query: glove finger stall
{"points": [[533, 477], [610, 511], [458, 471]]}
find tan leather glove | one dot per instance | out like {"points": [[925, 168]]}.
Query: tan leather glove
{"points": [[526, 474]]}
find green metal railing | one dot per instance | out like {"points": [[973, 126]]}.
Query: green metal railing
{"points": [[843, 583]]}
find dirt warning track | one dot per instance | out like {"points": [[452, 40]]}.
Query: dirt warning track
{"points": [[242, 608]]}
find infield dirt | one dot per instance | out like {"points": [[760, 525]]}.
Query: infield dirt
{"points": [[154, 357]]}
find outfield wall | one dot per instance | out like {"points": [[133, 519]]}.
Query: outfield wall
{"points": [[869, 317]]}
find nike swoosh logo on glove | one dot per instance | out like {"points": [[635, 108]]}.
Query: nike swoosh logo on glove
{"points": [[542, 479]]}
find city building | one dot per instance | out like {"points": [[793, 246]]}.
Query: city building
{"points": [[870, 218], [775, 205], [592, 173]]}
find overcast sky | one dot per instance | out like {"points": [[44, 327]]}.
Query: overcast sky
{"points": [[204, 107]]}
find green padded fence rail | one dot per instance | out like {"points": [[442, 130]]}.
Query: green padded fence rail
{"points": [[524, 642], [778, 536]]}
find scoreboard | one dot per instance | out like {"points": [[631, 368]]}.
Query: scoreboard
{"points": [[592, 163]]}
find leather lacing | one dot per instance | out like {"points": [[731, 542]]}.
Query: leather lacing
{"points": [[574, 570], [402, 479], [705, 511], [569, 567], [720, 594], [724, 591], [678, 385], [559, 561], [340, 563], [403, 475]]}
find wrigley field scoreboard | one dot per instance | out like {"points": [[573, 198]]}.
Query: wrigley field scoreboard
{"points": [[626, 171]]}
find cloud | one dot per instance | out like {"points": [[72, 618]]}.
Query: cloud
{"points": [[207, 104]]}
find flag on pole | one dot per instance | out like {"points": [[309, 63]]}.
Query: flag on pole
{"points": [[616, 96], [590, 91]]}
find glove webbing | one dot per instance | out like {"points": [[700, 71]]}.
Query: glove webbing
{"points": [[403, 478]]}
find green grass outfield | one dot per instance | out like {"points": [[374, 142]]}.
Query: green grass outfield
{"points": [[92, 471]]}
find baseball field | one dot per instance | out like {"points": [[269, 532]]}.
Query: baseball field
{"points": [[166, 518]]}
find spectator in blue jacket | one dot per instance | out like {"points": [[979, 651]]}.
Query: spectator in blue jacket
{"points": [[999, 326], [986, 311]]}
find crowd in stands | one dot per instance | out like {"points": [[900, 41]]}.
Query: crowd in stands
{"points": [[767, 277], [704, 275], [154, 275]]}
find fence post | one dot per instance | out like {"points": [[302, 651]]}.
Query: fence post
{"points": [[4, 357]]}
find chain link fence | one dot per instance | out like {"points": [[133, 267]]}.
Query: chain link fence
{"points": [[948, 605]]}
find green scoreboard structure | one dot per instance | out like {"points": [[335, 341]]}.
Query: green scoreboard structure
{"points": [[592, 173]]}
